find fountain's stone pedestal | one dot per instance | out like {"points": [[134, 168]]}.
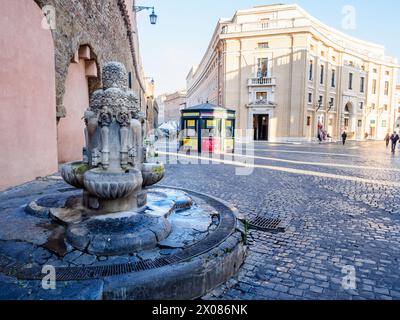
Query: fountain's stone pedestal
{"points": [[118, 234], [112, 233]]}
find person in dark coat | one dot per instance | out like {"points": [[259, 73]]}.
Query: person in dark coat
{"points": [[394, 138], [344, 137]]}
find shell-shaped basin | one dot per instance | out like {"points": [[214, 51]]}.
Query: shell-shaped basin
{"points": [[111, 185], [73, 172], [152, 173]]}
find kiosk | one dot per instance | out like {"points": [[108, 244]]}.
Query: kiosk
{"points": [[207, 128]]}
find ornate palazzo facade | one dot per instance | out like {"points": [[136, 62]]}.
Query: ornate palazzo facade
{"points": [[285, 72]]}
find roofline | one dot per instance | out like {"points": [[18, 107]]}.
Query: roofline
{"points": [[274, 7]]}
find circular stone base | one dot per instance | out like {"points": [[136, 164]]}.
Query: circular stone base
{"points": [[115, 234], [204, 246]]}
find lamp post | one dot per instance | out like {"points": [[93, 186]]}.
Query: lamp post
{"points": [[318, 105], [152, 16], [330, 105]]}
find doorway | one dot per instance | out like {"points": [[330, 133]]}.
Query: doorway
{"points": [[260, 126]]}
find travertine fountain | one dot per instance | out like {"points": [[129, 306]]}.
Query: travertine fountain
{"points": [[114, 171]]}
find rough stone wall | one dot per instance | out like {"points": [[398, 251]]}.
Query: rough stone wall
{"points": [[104, 25]]}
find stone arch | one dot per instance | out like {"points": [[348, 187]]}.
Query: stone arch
{"points": [[350, 120], [70, 129], [27, 98], [348, 108]]}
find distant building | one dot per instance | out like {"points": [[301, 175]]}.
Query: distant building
{"points": [[173, 104], [161, 108], [152, 110], [397, 108], [52, 54], [285, 72]]}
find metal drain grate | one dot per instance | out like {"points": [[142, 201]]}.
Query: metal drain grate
{"points": [[266, 224]]}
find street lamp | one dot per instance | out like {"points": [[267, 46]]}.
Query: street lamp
{"points": [[153, 16], [330, 105], [319, 105]]}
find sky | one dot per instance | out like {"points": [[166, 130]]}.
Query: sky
{"points": [[185, 27]]}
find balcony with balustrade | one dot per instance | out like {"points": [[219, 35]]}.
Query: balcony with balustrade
{"points": [[262, 81]]}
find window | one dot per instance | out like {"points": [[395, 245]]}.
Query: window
{"points": [[384, 123], [320, 100], [373, 106], [323, 53], [387, 73], [310, 76], [359, 124], [333, 82], [190, 128], [361, 104], [130, 80], [374, 70], [263, 45], [332, 102], [264, 23], [385, 107], [350, 81], [262, 71], [346, 122], [386, 88], [333, 58], [211, 127], [321, 81], [362, 84], [310, 98], [261, 96], [229, 128], [308, 121], [374, 86]]}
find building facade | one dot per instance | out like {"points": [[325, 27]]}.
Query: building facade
{"points": [[285, 73], [397, 109], [160, 102], [173, 104], [51, 59], [151, 105]]}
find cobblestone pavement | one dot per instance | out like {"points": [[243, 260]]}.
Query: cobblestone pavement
{"points": [[340, 206]]}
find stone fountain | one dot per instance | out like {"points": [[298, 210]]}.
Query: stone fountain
{"points": [[114, 175], [113, 235]]}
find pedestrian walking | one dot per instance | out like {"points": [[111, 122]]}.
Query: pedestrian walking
{"points": [[387, 139], [394, 138], [344, 137]]}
